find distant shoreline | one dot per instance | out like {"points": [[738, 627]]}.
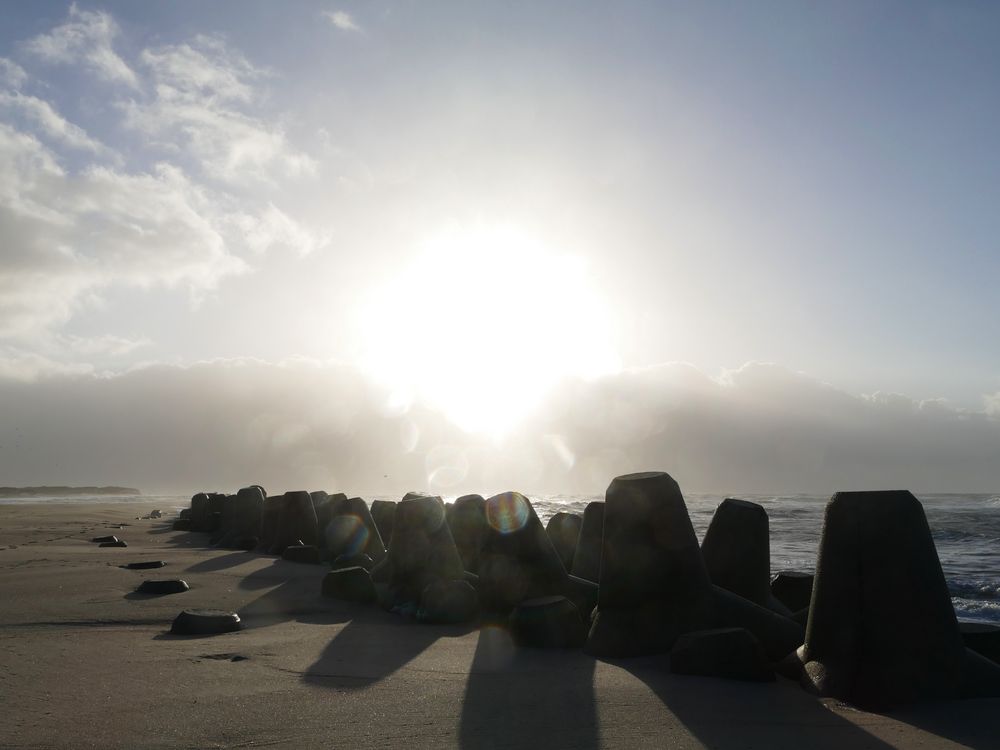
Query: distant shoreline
{"points": [[53, 490]]}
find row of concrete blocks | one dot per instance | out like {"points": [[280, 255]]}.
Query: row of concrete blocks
{"points": [[880, 630]]}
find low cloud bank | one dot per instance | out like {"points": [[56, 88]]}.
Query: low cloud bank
{"points": [[300, 425]]}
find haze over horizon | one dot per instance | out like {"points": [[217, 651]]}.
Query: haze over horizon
{"points": [[463, 247]]}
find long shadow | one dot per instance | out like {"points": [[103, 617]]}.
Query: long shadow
{"points": [[731, 713], [219, 563], [972, 723], [528, 697], [293, 593], [371, 647]]}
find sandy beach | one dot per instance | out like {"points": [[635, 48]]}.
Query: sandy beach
{"points": [[86, 662]]}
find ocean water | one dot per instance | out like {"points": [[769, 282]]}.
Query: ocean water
{"points": [[966, 531]]}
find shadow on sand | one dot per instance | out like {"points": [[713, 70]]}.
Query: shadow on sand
{"points": [[373, 646], [756, 721], [527, 697]]}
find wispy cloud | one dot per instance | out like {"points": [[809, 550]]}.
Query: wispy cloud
{"points": [[341, 19], [12, 74], [49, 121], [202, 92], [86, 37], [74, 225]]}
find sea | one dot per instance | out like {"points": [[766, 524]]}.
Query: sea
{"points": [[966, 531]]}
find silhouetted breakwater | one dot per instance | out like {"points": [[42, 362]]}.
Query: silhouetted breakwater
{"points": [[875, 626]]}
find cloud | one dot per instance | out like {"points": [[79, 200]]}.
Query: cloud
{"points": [[12, 74], [227, 423], [67, 235], [75, 221], [86, 37], [49, 121], [341, 19], [202, 92]]}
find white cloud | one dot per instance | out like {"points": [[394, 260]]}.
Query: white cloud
{"points": [[12, 74], [86, 37], [224, 424], [202, 93], [273, 228], [50, 121], [341, 19], [68, 235], [69, 232], [992, 403]]}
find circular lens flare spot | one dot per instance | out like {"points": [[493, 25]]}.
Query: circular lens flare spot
{"points": [[347, 535], [508, 512]]}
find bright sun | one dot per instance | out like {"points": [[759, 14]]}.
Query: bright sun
{"points": [[482, 324]]}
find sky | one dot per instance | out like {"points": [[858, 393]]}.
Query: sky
{"points": [[381, 246]]}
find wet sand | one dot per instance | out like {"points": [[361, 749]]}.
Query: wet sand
{"points": [[86, 662]]}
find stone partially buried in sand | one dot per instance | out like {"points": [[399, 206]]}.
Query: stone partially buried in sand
{"points": [[145, 565], [205, 622], [175, 586], [882, 630], [116, 543]]}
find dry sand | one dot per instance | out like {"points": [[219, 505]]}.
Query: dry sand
{"points": [[85, 662]]}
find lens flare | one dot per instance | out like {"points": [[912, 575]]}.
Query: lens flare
{"points": [[508, 512], [346, 535]]}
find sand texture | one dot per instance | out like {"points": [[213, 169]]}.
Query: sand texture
{"points": [[86, 662]]}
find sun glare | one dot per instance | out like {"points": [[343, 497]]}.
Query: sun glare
{"points": [[481, 325]]}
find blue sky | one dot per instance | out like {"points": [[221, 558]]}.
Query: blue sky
{"points": [[714, 184]]}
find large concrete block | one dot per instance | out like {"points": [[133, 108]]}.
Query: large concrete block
{"points": [[518, 560]]}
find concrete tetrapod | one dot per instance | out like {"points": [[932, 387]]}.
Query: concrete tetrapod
{"points": [[296, 522], [882, 630], [326, 507], [518, 560], [422, 552], [564, 532], [732, 653], [241, 518], [653, 582], [587, 556], [467, 522], [383, 512], [269, 514], [547, 622], [352, 531], [793, 589], [448, 602], [737, 550], [349, 584]]}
